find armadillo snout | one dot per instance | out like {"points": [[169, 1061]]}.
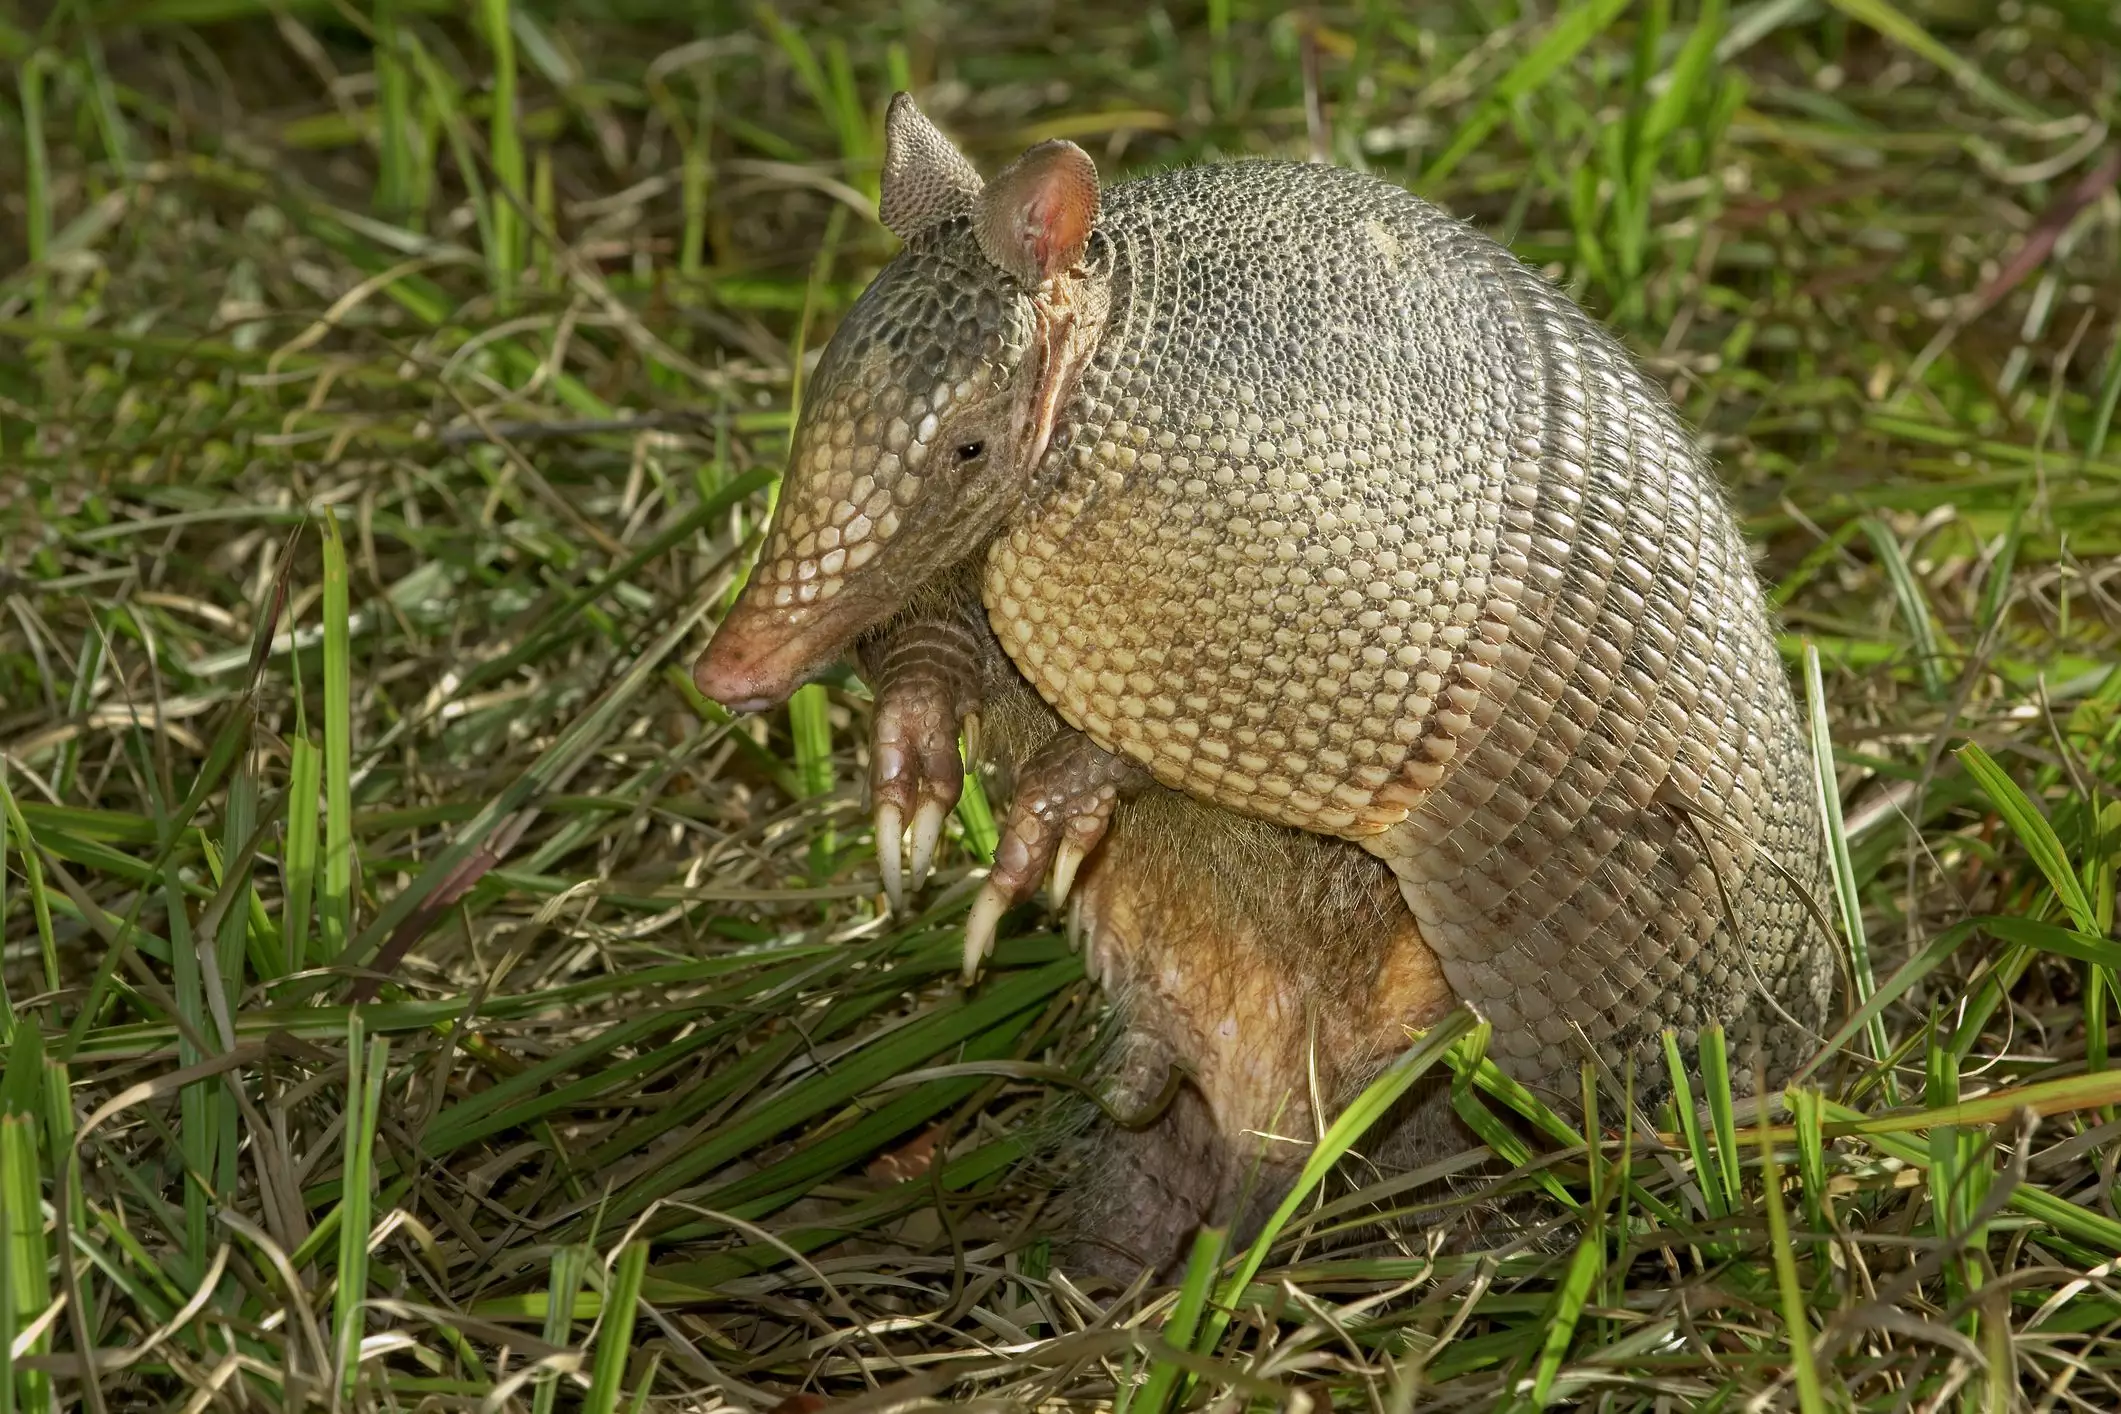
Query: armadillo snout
{"points": [[763, 651]]}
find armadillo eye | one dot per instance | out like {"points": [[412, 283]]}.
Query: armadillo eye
{"points": [[970, 451]]}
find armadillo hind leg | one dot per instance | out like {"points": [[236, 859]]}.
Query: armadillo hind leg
{"points": [[1267, 964]]}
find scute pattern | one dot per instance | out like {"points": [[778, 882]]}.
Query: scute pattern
{"points": [[1363, 528]]}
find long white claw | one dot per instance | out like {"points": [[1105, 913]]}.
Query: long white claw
{"points": [[927, 829], [970, 727], [1075, 923], [890, 839], [986, 915], [1066, 860]]}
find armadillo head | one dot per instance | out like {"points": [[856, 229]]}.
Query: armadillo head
{"points": [[930, 409]]}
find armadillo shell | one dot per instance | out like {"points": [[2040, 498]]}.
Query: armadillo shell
{"points": [[1362, 527]]}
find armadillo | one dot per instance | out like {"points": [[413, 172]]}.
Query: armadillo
{"points": [[1296, 497]]}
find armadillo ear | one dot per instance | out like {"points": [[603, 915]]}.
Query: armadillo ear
{"points": [[925, 180], [1034, 218]]}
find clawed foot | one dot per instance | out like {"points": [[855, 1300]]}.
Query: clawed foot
{"points": [[1065, 796], [925, 675], [916, 775], [926, 688]]}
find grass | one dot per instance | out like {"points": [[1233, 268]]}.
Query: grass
{"points": [[417, 995]]}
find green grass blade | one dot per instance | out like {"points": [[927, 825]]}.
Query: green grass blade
{"points": [[1954, 1175], [1901, 28], [59, 1129], [1914, 607], [25, 1263], [367, 1062], [36, 167], [2109, 398], [505, 255], [615, 1334], [1723, 1115], [1806, 1121], [810, 721], [396, 161], [25, 1276], [1201, 1265], [298, 869], [975, 816], [833, 92], [199, 1103], [545, 210], [9, 1322], [2100, 952], [80, 697], [569, 1265], [336, 900], [1352, 1123], [443, 106], [1689, 78], [1708, 1168], [40, 899], [1995, 592], [1571, 1295], [1850, 904], [110, 119], [1574, 27], [8, 812], [2033, 831], [1222, 61], [1472, 1071], [1796, 1323]]}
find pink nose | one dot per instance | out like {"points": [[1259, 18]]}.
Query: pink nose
{"points": [[757, 658], [737, 685]]}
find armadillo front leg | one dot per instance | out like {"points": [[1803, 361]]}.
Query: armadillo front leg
{"points": [[925, 675], [1064, 799]]}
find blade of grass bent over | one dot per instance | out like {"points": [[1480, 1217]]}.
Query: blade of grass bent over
{"points": [[1340, 1136], [1828, 785], [2033, 831]]}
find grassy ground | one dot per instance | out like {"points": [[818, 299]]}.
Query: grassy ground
{"points": [[387, 394]]}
